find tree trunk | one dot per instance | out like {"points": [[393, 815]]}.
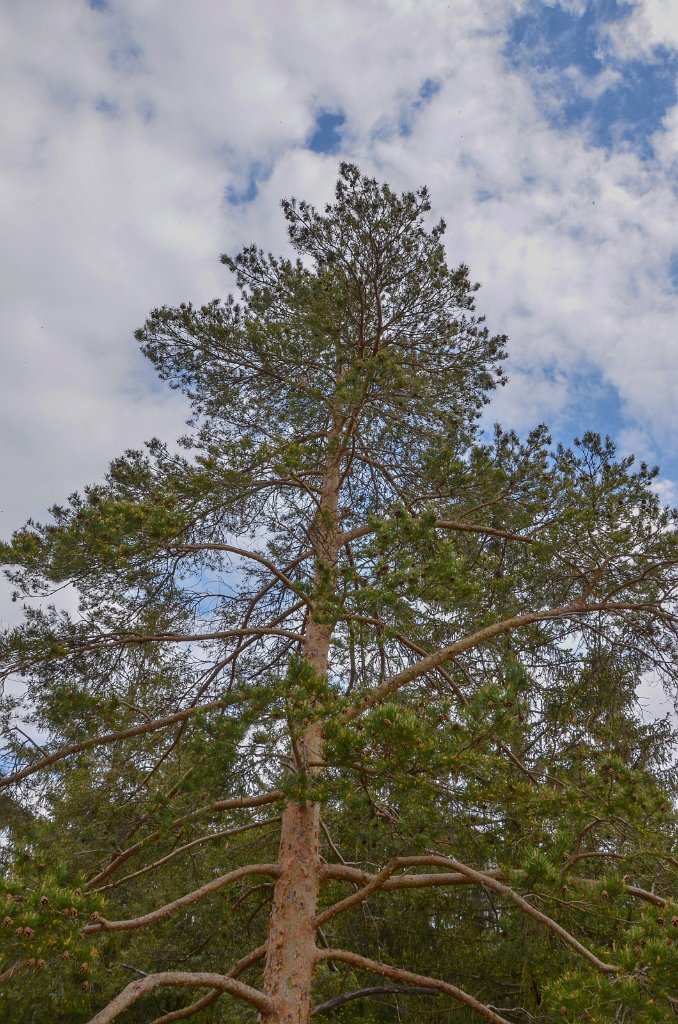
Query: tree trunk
{"points": [[291, 947]]}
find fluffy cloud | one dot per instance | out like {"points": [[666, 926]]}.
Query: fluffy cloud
{"points": [[133, 122], [652, 24]]}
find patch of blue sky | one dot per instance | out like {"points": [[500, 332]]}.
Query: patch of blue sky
{"points": [[146, 110], [579, 80], [98, 5], [673, 270], [427, 90], [594, 405], [326, 134], [247, 190], [106, 106]]}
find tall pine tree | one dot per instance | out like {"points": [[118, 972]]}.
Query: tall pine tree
{"points": [[348, 665]]}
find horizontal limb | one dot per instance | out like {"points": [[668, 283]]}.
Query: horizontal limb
{"points": [[103, 925], [407, 977], [347, 873], [144, 986]]}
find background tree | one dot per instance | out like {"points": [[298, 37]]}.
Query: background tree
{"points": [[350, 690]]}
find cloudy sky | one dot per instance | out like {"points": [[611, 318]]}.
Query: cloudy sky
{"points": [[142, 138]]}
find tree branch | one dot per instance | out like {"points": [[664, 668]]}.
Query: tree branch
{"points": [[121, 734], [244, 553], [375, 990], [442, 524], [211, 997], [11, 971], [345, 873], [376, 882], [220, 805], [527, 908], [144, 986], [481, 636], [182, 849], [397, 974], [102, 924]]}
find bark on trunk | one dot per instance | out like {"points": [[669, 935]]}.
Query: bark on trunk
{"points": [[291, 947]]}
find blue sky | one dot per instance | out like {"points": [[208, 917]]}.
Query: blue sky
{"points": [[146, 137], [566, 51]]}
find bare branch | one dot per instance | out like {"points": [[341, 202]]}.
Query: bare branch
{"points": [[590, 854], [505, 890], [182, 849], [397, 974], [244, 553], [219, 805], [375, 990], [377, 882], [102, 924], [118, 639], [11, 971], [345, 873], [144, 986], [191, 1009], [632, 890], [211, 997], [644, 894]]}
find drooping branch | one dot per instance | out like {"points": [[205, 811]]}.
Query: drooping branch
{"points": [[644, 894], [120, 734], [219, 805], [590, 854], [495, 884], [632, 890], [255, 556], [408, 977], [182, 849], [102, 924], [144, 986], [366, 993]]}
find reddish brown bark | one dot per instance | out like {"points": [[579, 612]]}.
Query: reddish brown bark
{"points": [[291, 951]]}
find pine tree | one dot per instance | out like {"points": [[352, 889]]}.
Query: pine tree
{"points": [[341, 628]]}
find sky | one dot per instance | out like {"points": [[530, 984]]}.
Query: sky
{"points": [[142, 138]]}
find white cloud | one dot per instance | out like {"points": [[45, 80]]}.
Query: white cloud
{"points": [[650, 24], [127, 126]]}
